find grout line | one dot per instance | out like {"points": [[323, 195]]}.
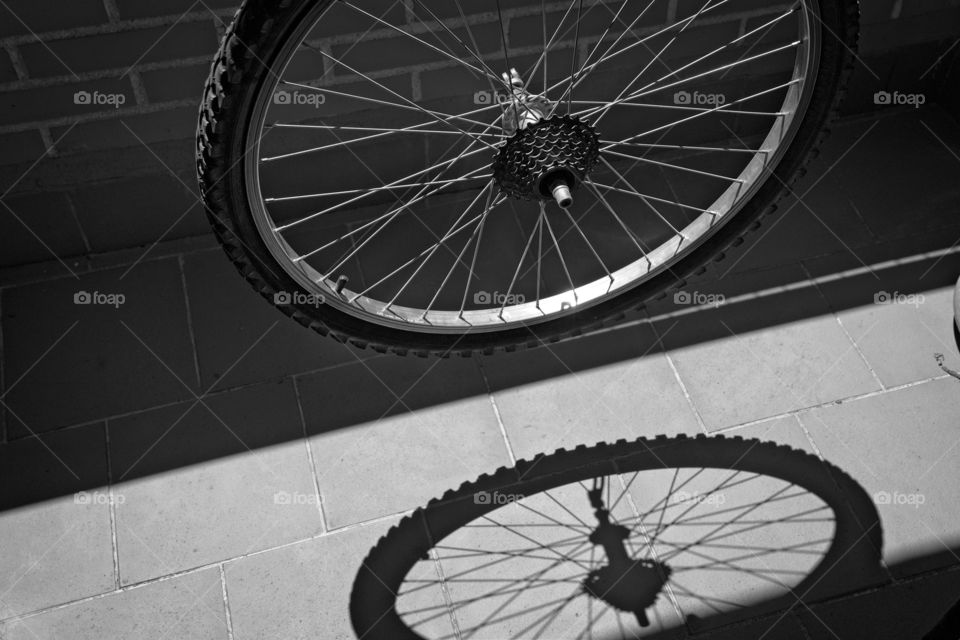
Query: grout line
{"points": [[110, 7], [48, 142], [16, 61], [808, 436], [71, 205], [496, 413], [100, 74], [859, 351], [105, 28], [843, 328], [686, 394], [113, 508], [211, 394], [310, 460], [226, 602], [139, 91], [676, 375], [204, 567], [853, 398], [99, 116], [27, 280], [190, 329]]}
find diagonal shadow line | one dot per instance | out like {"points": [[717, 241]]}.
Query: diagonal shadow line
{"points": [[198, 399]]}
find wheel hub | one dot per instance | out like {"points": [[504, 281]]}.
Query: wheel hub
{"points": [[547, 160]]}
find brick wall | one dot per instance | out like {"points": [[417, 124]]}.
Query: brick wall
{"points": [[80, 177]]}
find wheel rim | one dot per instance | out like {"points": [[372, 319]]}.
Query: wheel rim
{"points": [[357, 249]]}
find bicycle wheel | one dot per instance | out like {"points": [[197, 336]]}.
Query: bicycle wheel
{"points": [[607, 541], [437, 177]]}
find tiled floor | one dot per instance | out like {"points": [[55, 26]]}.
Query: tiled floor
{"points": [[191, 464]]}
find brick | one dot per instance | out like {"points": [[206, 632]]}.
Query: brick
{"points": [[137, 211], [175, 124], [52, 232], [176, 83], [23, 146], [375, 55], [121, 50], [23, 17], [63, 101], [340, 19], [135, 9], [528, 30], [451, 81]]}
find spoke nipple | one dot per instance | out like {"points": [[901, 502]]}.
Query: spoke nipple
{"points": [[561, 193], [341, 283]]}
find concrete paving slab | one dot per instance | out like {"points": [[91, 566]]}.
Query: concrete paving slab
{"points": [[188, 606], [419, 427], [741, 374], [117, 342], [584, 401], [902, 447], [302, 590], [55, 520], [231, 320], [254, 488]]}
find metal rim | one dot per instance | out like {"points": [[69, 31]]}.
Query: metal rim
{"points": [[389, 313]]}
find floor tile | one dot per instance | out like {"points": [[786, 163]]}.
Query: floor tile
{"points": [[900, 333], [299, 591], [231, 321], [188, 607], [55, 526], [904, 449], [416, 426], [100, 358], [200, 486], [592, 389], [52, 465], [736, 374]]}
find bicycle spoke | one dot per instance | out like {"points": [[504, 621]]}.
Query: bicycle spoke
{"points": [[338, 233]]}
